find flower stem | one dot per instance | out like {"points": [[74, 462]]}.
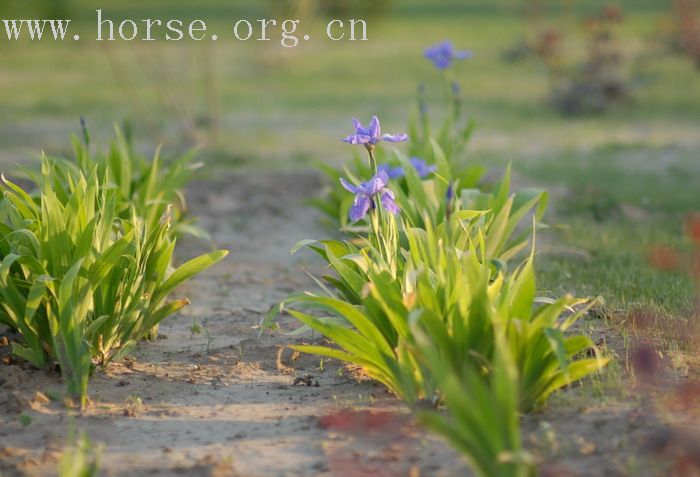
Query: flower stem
{"points": [[372, 160], [376, 212], [423, 114]]}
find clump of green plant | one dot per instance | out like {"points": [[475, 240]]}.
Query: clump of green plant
{"points": [[482, 416], [449, 328], [601, 80], [545, 45], [495, 219], [79, 282], [81, 458], [425, 303], [462, 302], [539, 40], [603, 77], [151, 186]]}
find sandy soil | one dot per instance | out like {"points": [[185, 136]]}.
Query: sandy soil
{"points": [[223, 402]]}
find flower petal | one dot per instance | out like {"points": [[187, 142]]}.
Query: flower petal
{"points": [[442, 54], [356, 124], [384, 177], [357, 139], [373, 186], [417, 162], [360, 207], [422, 168], [348, 187], [450, 194], [443, 63], [395, 137], [389, 203], [385, 168], [396, 172], [374, 129], [392, 172], [438, 49]]}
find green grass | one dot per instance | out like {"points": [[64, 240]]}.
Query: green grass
{"points": [[610, 260], [622, 182], [612, 206]]}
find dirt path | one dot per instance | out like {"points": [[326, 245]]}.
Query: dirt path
{"points": [[223, 402]]}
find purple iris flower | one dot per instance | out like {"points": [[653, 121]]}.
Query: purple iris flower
{"points": [[366, 193], [444, 53], [392, 172], [422, 167], [371, 135]]}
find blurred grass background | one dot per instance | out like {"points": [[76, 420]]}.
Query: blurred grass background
{"points": [[622, 181]]}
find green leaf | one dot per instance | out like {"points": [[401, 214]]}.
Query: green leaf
{"points": [[187, 271]]}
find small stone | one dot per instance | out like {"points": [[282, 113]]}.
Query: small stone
{"points": [[40, 398], [586, 447]]}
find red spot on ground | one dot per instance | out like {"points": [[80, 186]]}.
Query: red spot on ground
{"points": [[348, 420]]}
